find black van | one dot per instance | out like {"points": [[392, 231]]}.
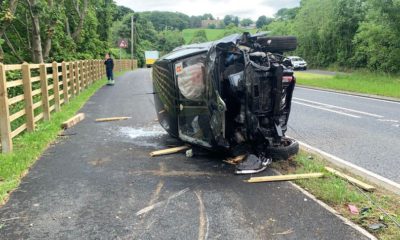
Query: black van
{"points": [[232, 95]]}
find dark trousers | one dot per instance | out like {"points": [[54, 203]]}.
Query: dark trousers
{"points": [[109, 74]]}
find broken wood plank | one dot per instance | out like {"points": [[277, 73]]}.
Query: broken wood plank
{"points": [[357, 182], [235, 160], [169, 151], [111, 119], [73, 121], [288, 177]]}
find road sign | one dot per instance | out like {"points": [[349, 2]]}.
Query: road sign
{"points": [[123, 43]]}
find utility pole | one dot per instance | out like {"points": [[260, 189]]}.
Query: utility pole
{"points": [[132, 33]]}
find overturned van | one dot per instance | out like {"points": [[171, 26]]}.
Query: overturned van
{"points": [[232, 95]]}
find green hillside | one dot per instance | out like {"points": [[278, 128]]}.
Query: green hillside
{"points": [[212, 34]]}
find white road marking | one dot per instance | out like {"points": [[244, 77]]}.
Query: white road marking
{"points": [[388, 120], [151, 207], [326, 109], [342, 108], [349, 95]]}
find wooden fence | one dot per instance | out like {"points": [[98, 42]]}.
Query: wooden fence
{"points": [[33, 91]]}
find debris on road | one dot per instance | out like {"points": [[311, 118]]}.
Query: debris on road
{"points": [[169, 151], [189, 153], [288, 177], [235, 160], [73, 121], [376, 226], [353, 209], [352, 180], [111, 119]]}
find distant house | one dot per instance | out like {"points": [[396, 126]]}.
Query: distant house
{"points": [[206, 23]]}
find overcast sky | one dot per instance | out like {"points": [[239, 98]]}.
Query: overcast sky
{"points": [[218, 8]]}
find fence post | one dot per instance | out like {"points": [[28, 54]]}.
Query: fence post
{"points": [[5, 127], [71, 78], [45, 91], [77, 76], [56, 86], [84, 74], [65, 81], [26, 78]]}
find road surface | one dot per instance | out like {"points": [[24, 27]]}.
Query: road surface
{"points": [[360, 130], [100, 183]]}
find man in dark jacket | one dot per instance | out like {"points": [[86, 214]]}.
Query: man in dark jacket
{"points": [[109, 69]]}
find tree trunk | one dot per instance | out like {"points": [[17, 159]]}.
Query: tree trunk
{"points": [[82, 15], [50, 31], [37, 52]]}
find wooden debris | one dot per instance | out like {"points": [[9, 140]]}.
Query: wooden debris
{"points": [[357, 182], [235, 160], [73, 121], [169, 151], [288, 177], [111, 119]]}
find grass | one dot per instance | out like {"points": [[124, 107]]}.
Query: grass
{"points": [[212, 34], [338, 193], [359, 82], [29, 146]]}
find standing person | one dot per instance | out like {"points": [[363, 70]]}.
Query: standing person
{"points": [[109, 62]]}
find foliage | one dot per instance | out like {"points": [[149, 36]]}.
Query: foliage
{"points": [[344, 33], [57, 30], [199, 37], [167, 20], [246, 22], [262, 21]]}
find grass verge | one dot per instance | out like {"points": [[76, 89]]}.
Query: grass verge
{"points": [[338, 193], [29, 146], [359, 82]]}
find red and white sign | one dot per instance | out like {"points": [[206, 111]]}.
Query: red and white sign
{"points": [[123, 43]]}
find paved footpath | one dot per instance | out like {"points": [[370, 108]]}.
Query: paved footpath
{"points": [[100, 183]]}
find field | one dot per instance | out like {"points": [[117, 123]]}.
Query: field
{"points": [[359, 82], [212, 34]]}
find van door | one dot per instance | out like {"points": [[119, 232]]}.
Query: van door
{"points": [[193, 114]]}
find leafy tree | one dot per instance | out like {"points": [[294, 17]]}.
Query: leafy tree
{"points": [[246, 22], [228, 19], [199, 37], [262, 21]]}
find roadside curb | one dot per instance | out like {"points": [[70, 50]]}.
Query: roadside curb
{"points": [[376, 97], [354, 169]]}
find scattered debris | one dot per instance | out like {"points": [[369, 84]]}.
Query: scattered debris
{"points": [[310, 157], [73, 121], [376, 226], [169, 151], [357, 182], [111, 119], [288, 177], [189, 153], [353, 209], [365, 210], [235, 160], [289, 231]]}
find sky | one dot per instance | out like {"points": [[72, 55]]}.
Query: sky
{"points": [[218, 8]]}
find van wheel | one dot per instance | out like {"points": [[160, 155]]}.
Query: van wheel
{"points": [[288, 148], [278, 44]]}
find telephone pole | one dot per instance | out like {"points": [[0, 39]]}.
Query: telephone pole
{"points": [[132, 33]]}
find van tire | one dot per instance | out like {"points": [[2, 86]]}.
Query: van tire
{"points": [[278, 44], [288, 148]]}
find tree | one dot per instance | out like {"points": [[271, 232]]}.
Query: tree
{"points": [[199, 37], [236, 21], [246, 22], [287, 13], [228, 19], [262, 21]]}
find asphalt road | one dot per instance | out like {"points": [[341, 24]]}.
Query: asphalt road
{"points": [[360, 130], [100, 183]]}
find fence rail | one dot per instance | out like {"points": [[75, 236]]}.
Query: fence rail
{"points": [[31, 92]]}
